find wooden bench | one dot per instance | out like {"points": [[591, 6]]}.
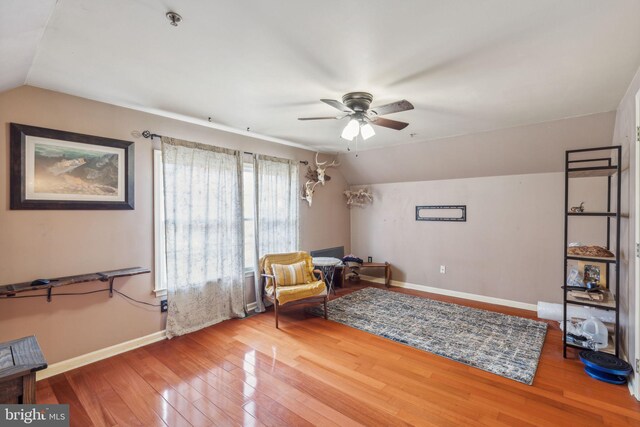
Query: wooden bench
{"points": [[385, 265]]}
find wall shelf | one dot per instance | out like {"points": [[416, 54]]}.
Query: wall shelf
{"points": [[7, 291], [593, 171], [591, 214], [608, 304], [606, 169], [612, 348], [591, 258]]}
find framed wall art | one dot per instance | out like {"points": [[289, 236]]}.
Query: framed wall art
{"points": [[457, 213], [53, 169]]}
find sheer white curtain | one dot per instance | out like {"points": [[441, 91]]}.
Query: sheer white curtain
{"points": [[204, 234], [276, 210]]}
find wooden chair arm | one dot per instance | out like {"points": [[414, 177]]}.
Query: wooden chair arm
{"points": [[320, 272], [273, 278]]}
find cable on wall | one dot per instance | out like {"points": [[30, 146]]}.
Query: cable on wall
{"points": [[84, 293]]}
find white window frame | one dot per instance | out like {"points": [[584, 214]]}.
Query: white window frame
{"points": [[160, 271], [248, 271], [634, 385]]}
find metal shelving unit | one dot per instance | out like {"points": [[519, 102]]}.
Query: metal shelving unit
{"points": [[578, 165]]}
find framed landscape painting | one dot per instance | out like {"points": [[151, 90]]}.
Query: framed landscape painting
{"points": [[52, 169]]}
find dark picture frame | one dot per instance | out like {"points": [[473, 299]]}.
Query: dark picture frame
{"points": [[24, 193]]}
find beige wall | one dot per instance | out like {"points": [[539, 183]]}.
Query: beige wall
{"points": [[512, 182], [625, 135], [35, 244], [536, 148], [510, 247]]}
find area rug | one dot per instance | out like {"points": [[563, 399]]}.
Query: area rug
{"points": [[505, 345]]}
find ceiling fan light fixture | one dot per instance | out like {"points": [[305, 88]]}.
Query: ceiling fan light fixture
{"points": [[367, 131], [355, 106], [351, 130]]}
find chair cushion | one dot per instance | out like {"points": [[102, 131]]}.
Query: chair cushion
{"points": [[290, 274], [267, 261], [297, 292]]}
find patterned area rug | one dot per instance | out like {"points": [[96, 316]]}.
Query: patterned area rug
{"points": [[505, 345]]}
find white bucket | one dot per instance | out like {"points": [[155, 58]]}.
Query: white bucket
{"points": [[594, 329]]}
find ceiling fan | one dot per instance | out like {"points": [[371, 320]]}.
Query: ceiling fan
{"points": [[356, 105]]}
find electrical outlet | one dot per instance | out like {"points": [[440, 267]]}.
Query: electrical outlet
{"points": [[164, 306], [443, 269]]}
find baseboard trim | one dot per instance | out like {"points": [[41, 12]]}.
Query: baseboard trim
{"points": [[94, 356], [456, 294]]}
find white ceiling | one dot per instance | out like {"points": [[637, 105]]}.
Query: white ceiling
{"points": [[467, 66], [23, 22]]}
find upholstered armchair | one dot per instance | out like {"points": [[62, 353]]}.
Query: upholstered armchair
{"points": [[290, 279]]}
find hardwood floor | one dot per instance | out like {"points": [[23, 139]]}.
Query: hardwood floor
{"points": [[317, 372]]}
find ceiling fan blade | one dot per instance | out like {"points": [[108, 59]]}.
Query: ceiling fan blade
{"points": [[394, 107], [387, 123], [337, 105], [321, 118]]}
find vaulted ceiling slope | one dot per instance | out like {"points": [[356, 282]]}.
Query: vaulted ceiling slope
{"points": [[23, 23], [467, 66]]}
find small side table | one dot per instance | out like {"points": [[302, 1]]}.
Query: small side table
{"points": [[328, 266], [385, 265], [19, 361]]}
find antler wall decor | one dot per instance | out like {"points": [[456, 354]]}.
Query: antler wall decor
{"points": [[307, 191], [360, 197], [321, 168], [312, 175], [316, 176]]}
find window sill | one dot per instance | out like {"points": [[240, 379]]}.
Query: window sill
{"points": [[163, 292], [160, 292]]}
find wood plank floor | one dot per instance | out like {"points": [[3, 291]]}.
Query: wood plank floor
{"points": [[317, 372]]}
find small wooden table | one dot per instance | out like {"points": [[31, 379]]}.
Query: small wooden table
{"points": [[385, 265], [19, 361]]}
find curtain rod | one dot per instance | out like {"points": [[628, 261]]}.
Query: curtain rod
{"points": [[148, 134]]}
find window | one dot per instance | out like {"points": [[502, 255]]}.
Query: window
{"points": [[249, 229], [159, 225]]}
